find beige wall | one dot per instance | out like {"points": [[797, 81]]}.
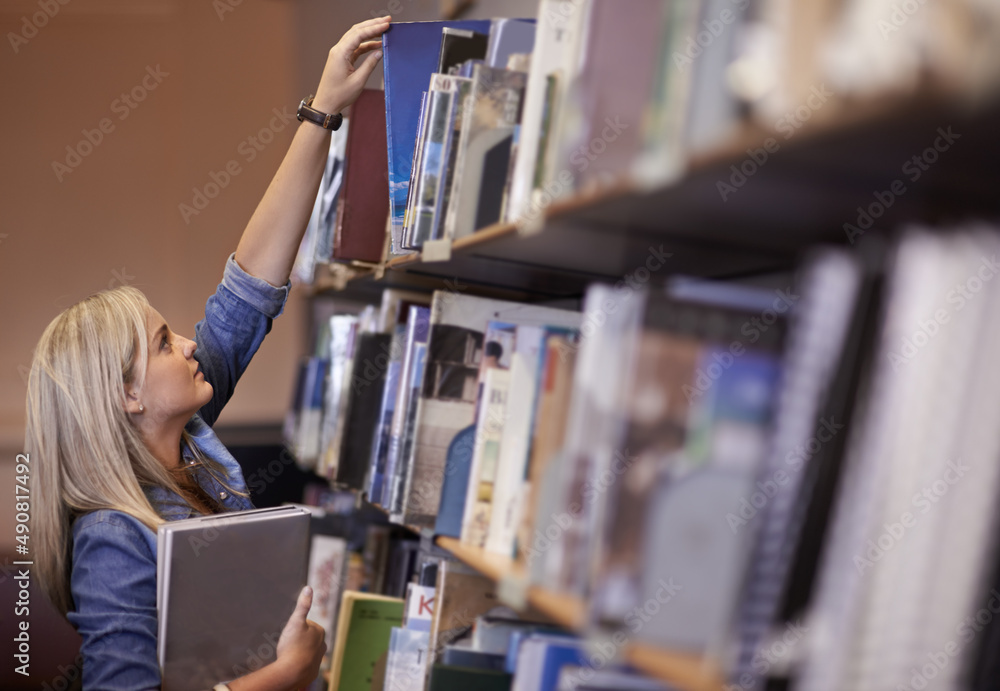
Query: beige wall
{"points": [[115, 216]]}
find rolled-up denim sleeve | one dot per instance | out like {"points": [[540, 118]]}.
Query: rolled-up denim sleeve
{"points": [[114, 592], [237, 317]]}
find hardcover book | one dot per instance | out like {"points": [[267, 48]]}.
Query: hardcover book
{"points": [[459, 45], [410, 379], [553, 61], [364, 629], [485, 457], [327, 569], [483, 155], [410, 54], [363, 203], [362, 414], [219, 594], [429, 176], [448, 398]]}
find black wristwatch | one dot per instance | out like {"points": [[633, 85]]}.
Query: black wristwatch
{"points": [[327, 121]]}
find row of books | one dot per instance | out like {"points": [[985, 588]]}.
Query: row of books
{"points": [[402, 616], [520, 429], [899, 526], [492, 120], [450, 633], [759, 458]]}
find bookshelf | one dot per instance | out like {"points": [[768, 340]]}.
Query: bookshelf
{"points": [[812, 184], [800, 197], [686, 672]]}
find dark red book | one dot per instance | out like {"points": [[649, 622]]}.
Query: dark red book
{"points": [[363, 206]]}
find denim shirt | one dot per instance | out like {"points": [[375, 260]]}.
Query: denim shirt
{"points": [[114, 555]]}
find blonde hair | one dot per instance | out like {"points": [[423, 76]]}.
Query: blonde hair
{"points": [[86, 453]]}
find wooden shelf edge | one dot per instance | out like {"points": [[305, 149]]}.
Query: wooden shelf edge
{"points": [[849, 117], [685, 671], [495, 566]]}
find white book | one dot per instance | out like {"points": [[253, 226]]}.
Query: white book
{"points": [[327, 559], [485, 456], [419, 612], [516, 441], [447, 400], [557, 39]]}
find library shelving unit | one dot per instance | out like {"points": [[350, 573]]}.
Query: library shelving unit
{"points": [[803, 195]]}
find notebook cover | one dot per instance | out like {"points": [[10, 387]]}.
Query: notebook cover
{"points": [[364, 198], [226, 585], [364, 630]]}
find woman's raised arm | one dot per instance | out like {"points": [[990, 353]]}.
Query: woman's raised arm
{"points": [[271, 239]]}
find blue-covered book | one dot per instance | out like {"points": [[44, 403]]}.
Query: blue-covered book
{"points": [[410, 53], [417, 329], [456, 483]]}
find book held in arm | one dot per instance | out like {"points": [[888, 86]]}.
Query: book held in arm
{"points": [[226, 585]]}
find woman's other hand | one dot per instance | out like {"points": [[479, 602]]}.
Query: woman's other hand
{"points": [[342, 80], [301, 645]]}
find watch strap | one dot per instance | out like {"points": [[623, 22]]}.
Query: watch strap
{"points": [[328, 121]]}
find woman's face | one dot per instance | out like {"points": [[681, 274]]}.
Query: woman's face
{"points": [[175, 387]]}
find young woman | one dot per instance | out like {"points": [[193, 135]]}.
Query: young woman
{"points": [[120, 413]]}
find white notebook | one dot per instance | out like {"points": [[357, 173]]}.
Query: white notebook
{"points": [[225, 587]]}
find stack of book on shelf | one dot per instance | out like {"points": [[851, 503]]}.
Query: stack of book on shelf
{"points": [[760, 477], [491, 121], [786, 481]]}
